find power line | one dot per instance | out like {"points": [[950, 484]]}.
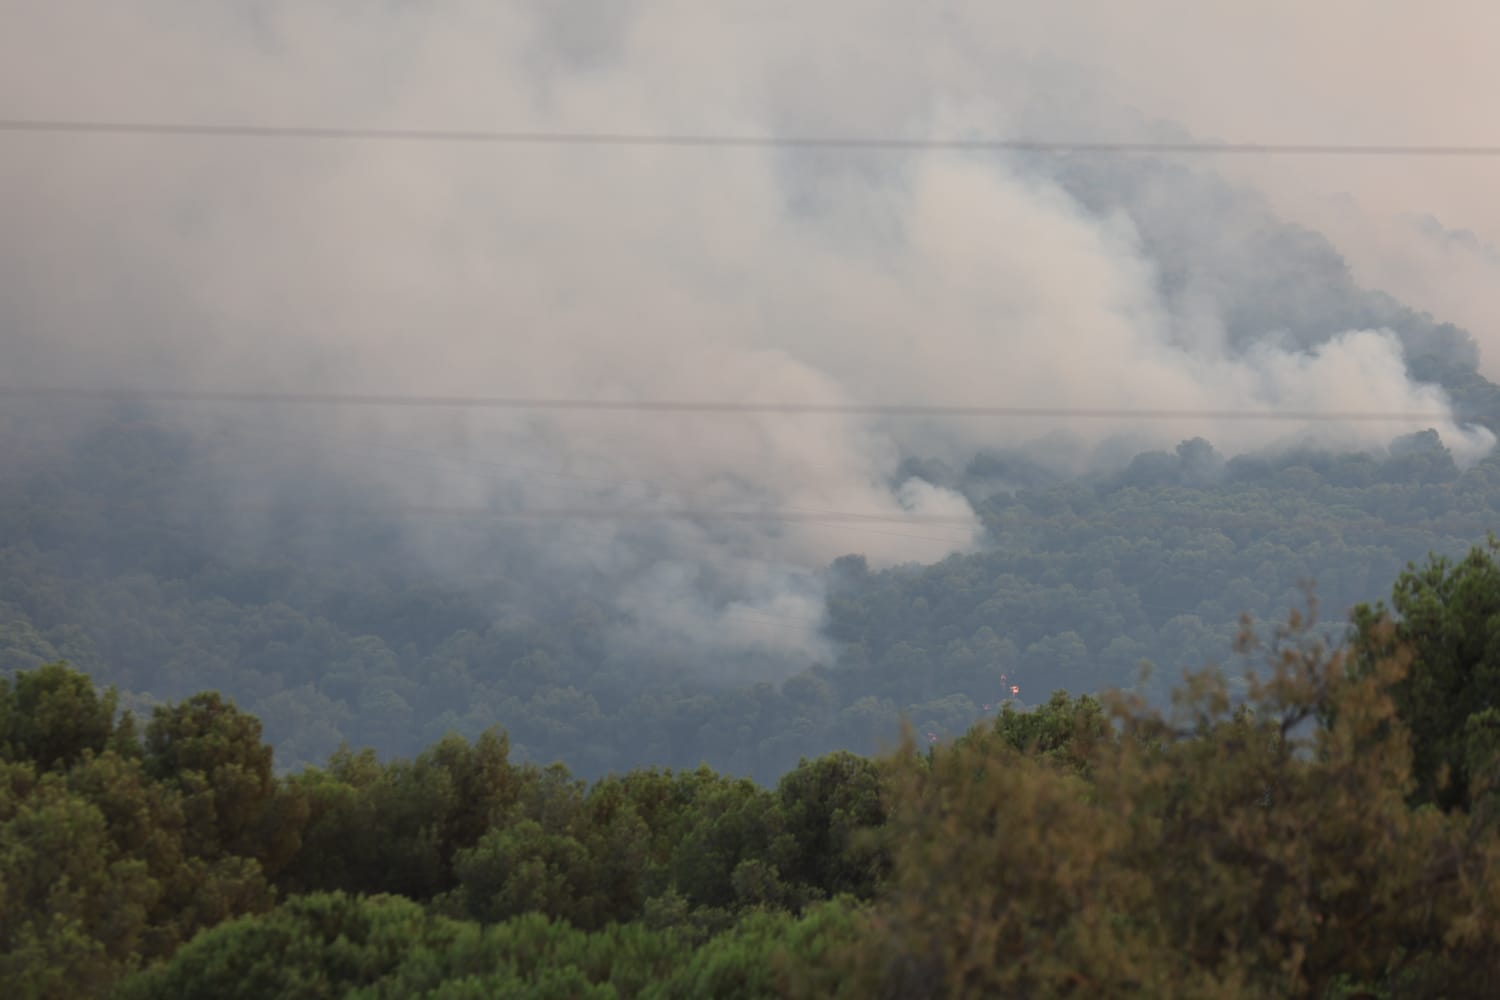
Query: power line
{"points": [[1002, 526], [848, 521], [790, 516], [865, 523], [1472, 525], [585, 405], [726, 141]]}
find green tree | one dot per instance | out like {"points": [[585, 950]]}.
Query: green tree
{"points": [[1447, 613], [1233, 850], [522, 868], [212, 754], [73, 907], [52, 716], [398, 827], [315, 946], [335, 945], [828, 807]]}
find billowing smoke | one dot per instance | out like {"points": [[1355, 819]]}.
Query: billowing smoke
{"points": [[1452, 272], [646, 274]]}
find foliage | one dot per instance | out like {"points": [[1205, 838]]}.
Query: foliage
{"points": [[1448, 615], [330, 632], [113, 853], [334, 945], [53, 716], [1254, 844], [1238, 850]]}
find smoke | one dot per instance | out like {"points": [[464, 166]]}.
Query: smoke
{"points": [[1452, 273], [642, 274]]}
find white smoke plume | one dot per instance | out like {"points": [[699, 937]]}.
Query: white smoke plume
{"points": [[645, 274]]}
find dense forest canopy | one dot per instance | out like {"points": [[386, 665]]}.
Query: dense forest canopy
{"points": [[1270, 840], [324, 619]]}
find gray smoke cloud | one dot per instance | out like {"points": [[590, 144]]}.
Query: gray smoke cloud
{"points": [[676, 274], [1450, 271]]}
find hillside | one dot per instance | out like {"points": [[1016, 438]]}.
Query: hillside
{"points": [[117, 558]]}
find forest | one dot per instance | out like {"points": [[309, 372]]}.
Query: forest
{"points": [[116, 557], [1321, 826]]}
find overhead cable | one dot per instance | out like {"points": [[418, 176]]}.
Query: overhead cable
{"points": [[730, 141], [585, 405]]}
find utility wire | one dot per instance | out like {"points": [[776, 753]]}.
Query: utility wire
{"points": [[585, 405], [662, 140], [604, 514], [1458, 526]]}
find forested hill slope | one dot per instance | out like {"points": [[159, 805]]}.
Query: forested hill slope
{"points": [[119, 554], [1329, 834]]}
